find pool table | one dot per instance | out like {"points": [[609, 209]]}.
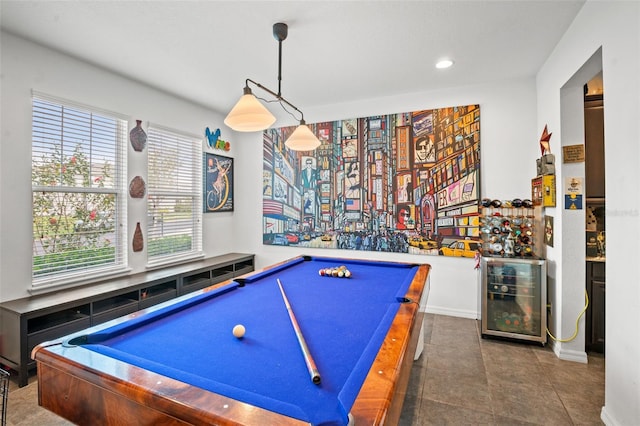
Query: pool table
{"points": [[179, 362]]}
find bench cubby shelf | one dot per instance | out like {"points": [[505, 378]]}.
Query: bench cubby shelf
{"points": [[27, 322]]}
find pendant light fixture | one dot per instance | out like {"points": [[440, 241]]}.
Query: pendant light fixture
{"points": [[250, 115]]}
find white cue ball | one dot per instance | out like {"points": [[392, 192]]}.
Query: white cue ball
{"points": [[238, 331]]}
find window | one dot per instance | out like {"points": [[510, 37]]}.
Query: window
{"points": [[174, 200], [79, 202]]}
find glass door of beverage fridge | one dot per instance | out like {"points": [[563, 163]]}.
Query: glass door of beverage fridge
{"points": [[514, 298]]}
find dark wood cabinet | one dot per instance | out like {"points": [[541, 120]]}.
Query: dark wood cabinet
{"points": [[595, 322], [27, 322]]}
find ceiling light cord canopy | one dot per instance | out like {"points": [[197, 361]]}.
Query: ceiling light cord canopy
{"points": [[250, 115]]}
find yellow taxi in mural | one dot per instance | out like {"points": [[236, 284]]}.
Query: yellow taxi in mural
{"points": [[461, 248], [423, 243]]}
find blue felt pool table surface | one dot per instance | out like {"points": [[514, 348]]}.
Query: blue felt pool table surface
{"points": [[343, 320]]}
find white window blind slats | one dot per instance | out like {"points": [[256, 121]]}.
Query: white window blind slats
{"points": [[174, 200], [79, 201], [62, 132], [79, 184]]}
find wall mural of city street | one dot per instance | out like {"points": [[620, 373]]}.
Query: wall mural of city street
{"points": [[405, 183]]}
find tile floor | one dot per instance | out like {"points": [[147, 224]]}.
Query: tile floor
{"points": [[460, 379]]}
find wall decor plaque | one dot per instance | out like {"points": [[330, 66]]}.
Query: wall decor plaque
{"points": [[573, 154]]}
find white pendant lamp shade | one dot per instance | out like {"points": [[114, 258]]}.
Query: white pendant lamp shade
{"points": [[302, 139], [249, 115]]}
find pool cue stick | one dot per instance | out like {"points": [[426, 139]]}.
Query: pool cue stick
{"points": [[308, 359]]}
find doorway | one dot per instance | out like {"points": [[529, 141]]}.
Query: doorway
{"points": [[595, 214], [569, 299]]}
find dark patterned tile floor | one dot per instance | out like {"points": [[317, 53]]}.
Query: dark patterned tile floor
{"points": [[460, 379]]}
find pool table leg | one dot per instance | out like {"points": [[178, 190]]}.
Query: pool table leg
{"points": [[423, 309], [420, 346]]}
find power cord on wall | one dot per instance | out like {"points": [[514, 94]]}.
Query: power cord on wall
{"points": [[586, 304]]}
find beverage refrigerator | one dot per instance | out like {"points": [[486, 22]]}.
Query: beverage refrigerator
{"points": [[514, 298]]}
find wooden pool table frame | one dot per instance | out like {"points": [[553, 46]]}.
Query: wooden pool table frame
{"points": [[88, 388]]}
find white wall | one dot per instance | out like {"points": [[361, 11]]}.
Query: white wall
{"points": [[26, 67], [509, 147], [614, 27]]}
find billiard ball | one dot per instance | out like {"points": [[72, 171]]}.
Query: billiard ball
{"points": [[238, 331], [321, 272], [347, 273]]}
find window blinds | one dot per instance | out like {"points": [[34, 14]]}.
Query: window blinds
{"points": [[174, 195], [79, 204]]}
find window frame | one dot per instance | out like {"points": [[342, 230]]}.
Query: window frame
{"points": [[194, 193], [78, 276]]}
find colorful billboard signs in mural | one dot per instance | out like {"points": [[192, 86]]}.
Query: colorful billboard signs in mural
{"points": [[406, 183]]}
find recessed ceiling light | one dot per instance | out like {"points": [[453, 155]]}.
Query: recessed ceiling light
{"points": [[444, 63]]}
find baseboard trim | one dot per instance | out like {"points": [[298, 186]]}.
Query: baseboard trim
{"points": [[606, 418], [438, 310], [569, 355]]}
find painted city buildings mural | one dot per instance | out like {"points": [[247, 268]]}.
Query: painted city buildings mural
{"points": [[406, 183]]}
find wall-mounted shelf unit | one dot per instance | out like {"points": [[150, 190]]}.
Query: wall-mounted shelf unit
{"points": [[158, 293], [27, 322]]}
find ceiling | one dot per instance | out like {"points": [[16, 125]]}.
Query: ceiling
{"points": [[336, 51]]}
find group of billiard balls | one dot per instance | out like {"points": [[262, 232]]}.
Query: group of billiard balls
{"points": [[339, 272]]}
